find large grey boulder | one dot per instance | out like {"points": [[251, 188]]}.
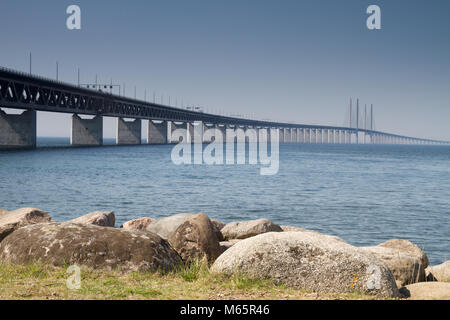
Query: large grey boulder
{"points": [[439, 273], [298, 229], [12, 220], [196, 239], [247, 229], [98, 218], [427, 291], [225, 245], [309, 261], [93, 246], [138, 224], [166, 227], [406, 260], [218, 225]]}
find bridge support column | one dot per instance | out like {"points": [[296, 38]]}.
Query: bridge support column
{"points": [[86, 132], [294, 135], [281, 135], [128, 132], [18, 131], [256, 129], [262, 135], [314, 136], [181, 136], [222, 129], [325, 136], [300, 135], [205, 128], [157, 132], [287, 135], [347, 137]]}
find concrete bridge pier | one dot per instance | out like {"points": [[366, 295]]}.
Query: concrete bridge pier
{"points": [[195, 132], [86, 132], [222, 130], [348, 137], [251, 134], [307, 135], [181, 136], [128, 132], [18, 131], [281, 135], [205, 138], [262, 135], [300, 135], [325, 136], [287, 135], [314, 136], [294, 135], [157, 132]]}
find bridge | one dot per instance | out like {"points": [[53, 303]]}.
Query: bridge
{"points": [[32, 93]]}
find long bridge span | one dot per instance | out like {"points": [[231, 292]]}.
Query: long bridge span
{"points": [[33, 93]]}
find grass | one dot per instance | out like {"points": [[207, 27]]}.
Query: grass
{"points": [[193, 282]]}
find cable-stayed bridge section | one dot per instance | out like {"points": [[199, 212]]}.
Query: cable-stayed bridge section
{"points": [[33, 93]]}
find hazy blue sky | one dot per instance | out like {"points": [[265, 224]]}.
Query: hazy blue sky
{"points": [[285, 60]]}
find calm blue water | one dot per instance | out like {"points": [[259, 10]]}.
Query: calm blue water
{"points": [[364, 194]]}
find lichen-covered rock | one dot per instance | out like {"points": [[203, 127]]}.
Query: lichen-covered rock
{"points": [[247, 229], [298, 229], [12, 220], [140, 224], [310, 261], [196, 239], [439, 273], [427, 291], [97, 218], [406, 260], [292, 228], [225, 245], [408, 247], [166, 227], [218, 225], [88, 245]]}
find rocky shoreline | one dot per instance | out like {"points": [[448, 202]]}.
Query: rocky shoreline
{"points": [[299, 258]]}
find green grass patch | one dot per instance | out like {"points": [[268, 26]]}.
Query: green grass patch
{"points": [[192, 282]]}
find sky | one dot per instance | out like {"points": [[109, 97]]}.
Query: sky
{"points": [[284, 60]]}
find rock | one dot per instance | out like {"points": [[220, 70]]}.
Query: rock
{"points": [[405, 260], [12, 220], [407, 246], [166, 227], [3, 211], [247, 229], [88, 245], [225, 245], [439, 273], [427, 291], [218, 224], [309, 261], [298, 229], [292, 228], [196, 238], [137, 224], [97, 218]]}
